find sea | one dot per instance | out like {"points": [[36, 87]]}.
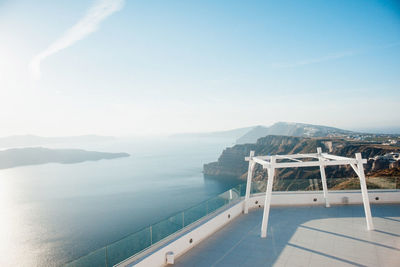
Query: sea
{"points": [[54, 213]]}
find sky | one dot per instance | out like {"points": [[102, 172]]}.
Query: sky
{"points": [[115, 67]]}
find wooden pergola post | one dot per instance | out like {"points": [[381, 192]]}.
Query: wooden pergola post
{"points": [[364, 192], [252, 164], [268, 195], [323, 178]]}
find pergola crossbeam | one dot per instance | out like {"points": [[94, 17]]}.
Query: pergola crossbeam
{"points": [[314, 163], [355, 169], [286, 157], [333, 157], [291, 156], [264, 163]]}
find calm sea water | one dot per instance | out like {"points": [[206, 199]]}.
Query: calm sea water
{"points": [[53, 213]]}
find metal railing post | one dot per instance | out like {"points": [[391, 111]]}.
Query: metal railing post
{"points": [[151, 235], [106, 258]]}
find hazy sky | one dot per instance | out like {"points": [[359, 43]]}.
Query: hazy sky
{"points": [[134, 67]]}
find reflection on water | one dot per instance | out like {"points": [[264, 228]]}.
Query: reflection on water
{"points": [[53, 213]]}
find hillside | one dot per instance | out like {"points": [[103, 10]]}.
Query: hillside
{"points": [[38, 155], [232, 163]]}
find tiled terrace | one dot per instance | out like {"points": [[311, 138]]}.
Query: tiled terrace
{"points": [[304, 236]]}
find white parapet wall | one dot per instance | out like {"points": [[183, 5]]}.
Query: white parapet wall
{"points": [[305, 198], [193, 237], [188, 240]]}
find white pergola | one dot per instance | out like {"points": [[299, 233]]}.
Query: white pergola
{"points": [[294, 161]]}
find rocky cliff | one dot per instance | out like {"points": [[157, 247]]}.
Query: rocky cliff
{"points": [[232, 163]]}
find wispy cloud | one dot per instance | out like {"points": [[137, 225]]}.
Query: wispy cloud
{"points": [[331, 57], [100, 10], [389, 45], [311, 60]]}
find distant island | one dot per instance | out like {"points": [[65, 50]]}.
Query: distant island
{"points": [[34, 140], [16, 157]]}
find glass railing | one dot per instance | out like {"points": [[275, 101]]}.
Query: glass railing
{"points": [[332, 183], [139, 241]]}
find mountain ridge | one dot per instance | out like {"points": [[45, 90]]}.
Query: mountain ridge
{"points": [[252, 133], [291, 129]]}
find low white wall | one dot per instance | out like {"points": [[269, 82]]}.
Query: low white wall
{"points": [[317, 198], [183, 244]]}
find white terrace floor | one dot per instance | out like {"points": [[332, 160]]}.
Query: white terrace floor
{"points": [[304, 236]]}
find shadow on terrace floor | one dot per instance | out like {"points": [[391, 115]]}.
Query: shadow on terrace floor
{"points": [[304, 236]]}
